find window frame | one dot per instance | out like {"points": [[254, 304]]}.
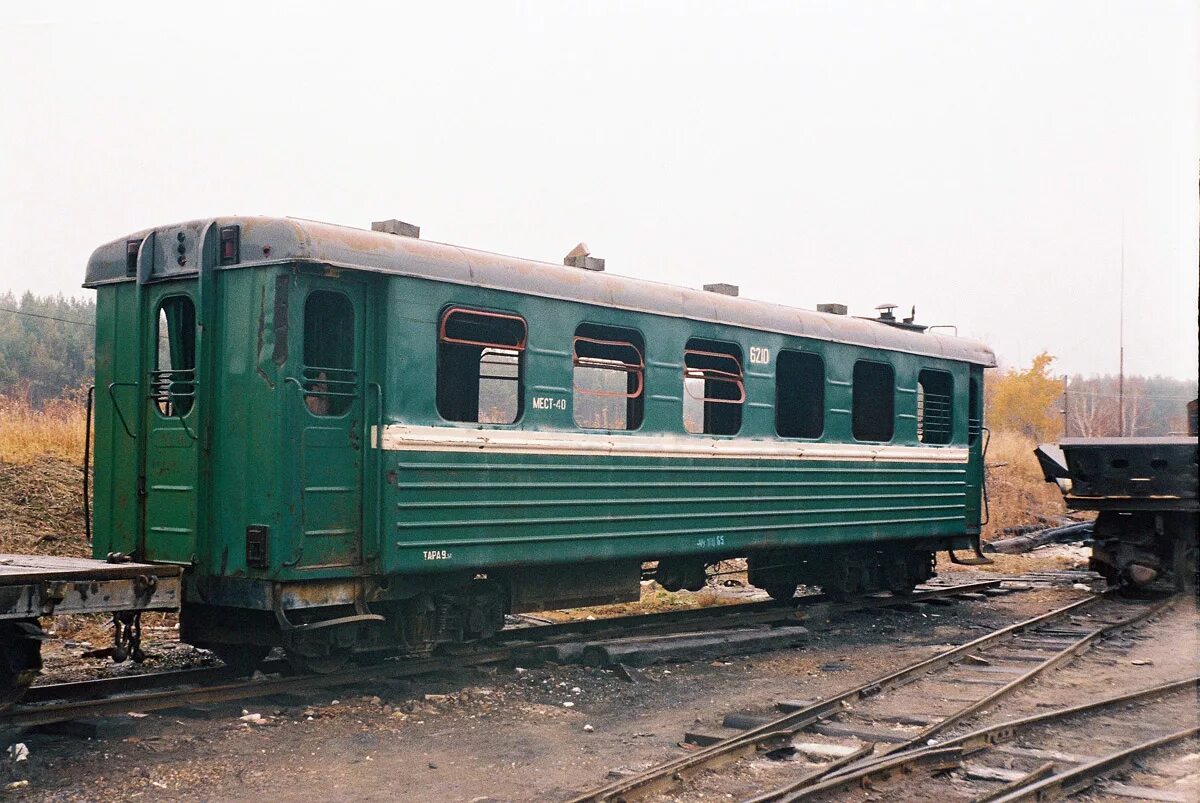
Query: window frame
{"points": [[164, 386], [310, 383], [974, 409], [486, 349], [638, 369], [854, 401], [946, 435], [716, 375], [779, 386]]}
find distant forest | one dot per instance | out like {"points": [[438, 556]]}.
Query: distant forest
{"points": [[1154, 405], [46, 346], [46, 353]]}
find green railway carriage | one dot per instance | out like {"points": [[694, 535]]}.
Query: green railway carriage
{"points": [[358, 440]]}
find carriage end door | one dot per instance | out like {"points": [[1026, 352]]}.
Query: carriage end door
{"points": [[171, 449], [328, 406]]}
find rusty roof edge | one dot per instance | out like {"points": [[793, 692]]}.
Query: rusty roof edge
{"points": [[379, 252]]}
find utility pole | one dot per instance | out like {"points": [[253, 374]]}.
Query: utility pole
{"points": [[1066, 408], [1121, 359]]}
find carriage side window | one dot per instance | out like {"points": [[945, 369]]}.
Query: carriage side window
{"points": [[873, 401], [799, 395], [713, 388], [935, 406], [173, 381], [974, 411], [479, 369], [328, 376], [608, 377]]}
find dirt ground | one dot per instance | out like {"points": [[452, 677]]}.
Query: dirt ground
{"points": [[498, 733], [503, 733]]}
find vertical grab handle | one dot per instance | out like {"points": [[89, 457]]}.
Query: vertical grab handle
{"points": [[87, 460], [117, 405], [987, 438]]}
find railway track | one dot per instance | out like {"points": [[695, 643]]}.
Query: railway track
{"points": [[987, 762], [51, 703], [965, 679]]}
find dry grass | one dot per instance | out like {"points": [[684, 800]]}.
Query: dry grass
{"points": [[41, 507], [28, 433], [41, 491], [1017, 494]]}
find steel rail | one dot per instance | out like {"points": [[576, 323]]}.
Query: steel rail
{"points": [[917, 744], [1083, 776], [933, 760], [973, 742], [1070, 651], [27, 716], [985, 737], [1043, 771], [812, 784], [668, 773], [65, 701]]}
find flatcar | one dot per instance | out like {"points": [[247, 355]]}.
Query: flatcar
{"points": [[1145, 492], [357, 441]]}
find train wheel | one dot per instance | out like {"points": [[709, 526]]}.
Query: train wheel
{"points": [[1186, 566], [20, 659], [243, 659], [781, 592]]}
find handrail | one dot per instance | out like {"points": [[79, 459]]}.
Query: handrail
{"points": [[116, 406], [87, 459]]}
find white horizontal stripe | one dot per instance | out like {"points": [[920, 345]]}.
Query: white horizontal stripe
{"points": [[402, 437]]}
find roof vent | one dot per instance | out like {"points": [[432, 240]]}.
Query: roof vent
{"points": [[833, 309], [399, 227], [886, 315], [581, 257], [722, 288]]}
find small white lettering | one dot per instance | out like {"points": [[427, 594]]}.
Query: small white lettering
{"points": [[549, 403], [760, 355], [437, 554]]}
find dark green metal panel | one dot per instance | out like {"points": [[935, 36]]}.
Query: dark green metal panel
{"points": [[170, 441], [460, 510], [330, 444], [116, 510]]}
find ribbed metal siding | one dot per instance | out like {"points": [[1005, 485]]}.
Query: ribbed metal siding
{"points": [[505, 509]]}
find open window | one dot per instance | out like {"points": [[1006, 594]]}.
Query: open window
{"points": [[713, 387], [799, 395], [873, 401], [608, 377], [173, 380], [479, 371], [935, 406], [974, 411], [328, 375]]}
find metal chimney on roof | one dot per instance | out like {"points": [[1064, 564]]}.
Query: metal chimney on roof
{"points": [[581, 257], [722, 288], [398, 227], [833, 309]]}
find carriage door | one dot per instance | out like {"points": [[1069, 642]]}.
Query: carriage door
{"points": [[329, 407], [171, 458]]}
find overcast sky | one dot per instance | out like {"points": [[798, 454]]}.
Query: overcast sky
{"points": [[974, 159]]}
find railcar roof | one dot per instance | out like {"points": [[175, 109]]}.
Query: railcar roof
{"points": [[269, 240]]}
